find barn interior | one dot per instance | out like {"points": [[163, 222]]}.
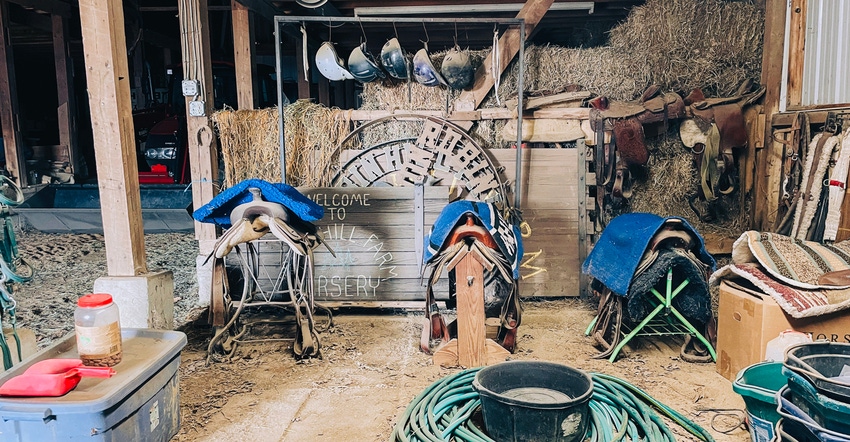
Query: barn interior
{"points": [[425, 219]]}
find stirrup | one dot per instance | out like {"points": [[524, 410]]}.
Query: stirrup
{"points": [[606, 332], [694, 351], [306, 343], [622, 181]]}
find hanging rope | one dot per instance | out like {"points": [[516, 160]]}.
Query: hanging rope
{"points": [[496, 65]]}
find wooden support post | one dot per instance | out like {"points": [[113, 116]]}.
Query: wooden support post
{"points": [[203, 157], [324, 91], [243, 54], [67, 108], [9, 103], [796, 51], [765, 206], [532, 12], [102, 23], [470, 312]]}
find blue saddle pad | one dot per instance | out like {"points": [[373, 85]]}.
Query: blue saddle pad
{"points": [[217, 211], [620, 247], [506, 236]]}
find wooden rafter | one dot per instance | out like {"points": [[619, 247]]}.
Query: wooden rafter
{"points": [[532, 12]]}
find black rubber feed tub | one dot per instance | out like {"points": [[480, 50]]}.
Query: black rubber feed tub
{"points": [[531, 401]]}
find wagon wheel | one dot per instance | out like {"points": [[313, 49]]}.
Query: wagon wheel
{"points": [[430, 150]]}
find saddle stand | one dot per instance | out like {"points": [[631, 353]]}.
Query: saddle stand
{"points": [[470, 348], [484, 292], [612, 334], [276, 275]]}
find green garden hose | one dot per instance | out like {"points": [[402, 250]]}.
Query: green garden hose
{"points": [[619, 411]]}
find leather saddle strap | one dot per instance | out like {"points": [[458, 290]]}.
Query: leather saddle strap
{"points": [[726, 181], [622, 180], [599, 165]]}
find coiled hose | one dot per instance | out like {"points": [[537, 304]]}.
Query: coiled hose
{"points": [[619, 411]]}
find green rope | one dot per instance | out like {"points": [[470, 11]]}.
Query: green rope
{"points": [[618, 411]]}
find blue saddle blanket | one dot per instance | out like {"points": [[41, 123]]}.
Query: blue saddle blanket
{"points": [[620, 247], [217, 211], [506, 235]]}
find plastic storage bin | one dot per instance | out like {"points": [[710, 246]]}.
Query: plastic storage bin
{"points": [[140, 403]]}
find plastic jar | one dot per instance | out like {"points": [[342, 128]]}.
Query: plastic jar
{"points": [[98, 330]]}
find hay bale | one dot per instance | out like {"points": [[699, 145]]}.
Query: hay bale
{"points": [[250, 143], [711, 44]]}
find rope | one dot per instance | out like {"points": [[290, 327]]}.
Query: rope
{"points": [[618, 411]]}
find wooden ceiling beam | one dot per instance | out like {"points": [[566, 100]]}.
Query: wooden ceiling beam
{"points": [[54, 7]]}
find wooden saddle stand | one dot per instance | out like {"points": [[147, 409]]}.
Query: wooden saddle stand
{"points": [[480, 335]]}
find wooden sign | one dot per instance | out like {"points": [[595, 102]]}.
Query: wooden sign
{"points": [[372, 231]]}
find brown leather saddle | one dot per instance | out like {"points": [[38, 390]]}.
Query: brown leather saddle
{"points": [[726, 114]]}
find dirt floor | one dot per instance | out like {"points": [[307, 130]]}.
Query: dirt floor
{"points": [[371, 366]]}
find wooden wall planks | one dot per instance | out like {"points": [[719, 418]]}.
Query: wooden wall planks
{"points": [[371, 229]]}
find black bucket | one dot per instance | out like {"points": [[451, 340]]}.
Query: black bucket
{"points": [[529, 401]]}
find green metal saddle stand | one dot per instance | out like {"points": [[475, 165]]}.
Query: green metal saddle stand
{"points": [[663, 320]]}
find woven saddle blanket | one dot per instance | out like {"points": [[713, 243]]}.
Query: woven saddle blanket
{"points": [[791, 271]]}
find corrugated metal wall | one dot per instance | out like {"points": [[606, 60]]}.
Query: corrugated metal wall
{"points": [[826, 70]]}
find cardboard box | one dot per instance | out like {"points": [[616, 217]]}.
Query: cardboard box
{"points": [[747, 321]]}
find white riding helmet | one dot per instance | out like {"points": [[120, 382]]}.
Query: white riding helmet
{"points": [[362, 65], [330, 65], [393, 59], [424, 71]]}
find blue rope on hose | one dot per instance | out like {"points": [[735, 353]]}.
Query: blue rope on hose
{"points": [[618, 411]]}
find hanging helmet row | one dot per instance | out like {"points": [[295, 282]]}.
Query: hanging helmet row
{"points": [[456, 71]]}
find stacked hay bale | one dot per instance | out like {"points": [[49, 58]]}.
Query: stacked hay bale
{"points": [[250, 143]]}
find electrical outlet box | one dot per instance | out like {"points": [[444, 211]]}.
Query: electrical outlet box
{"points": [[190, 88], [197, 109]]}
